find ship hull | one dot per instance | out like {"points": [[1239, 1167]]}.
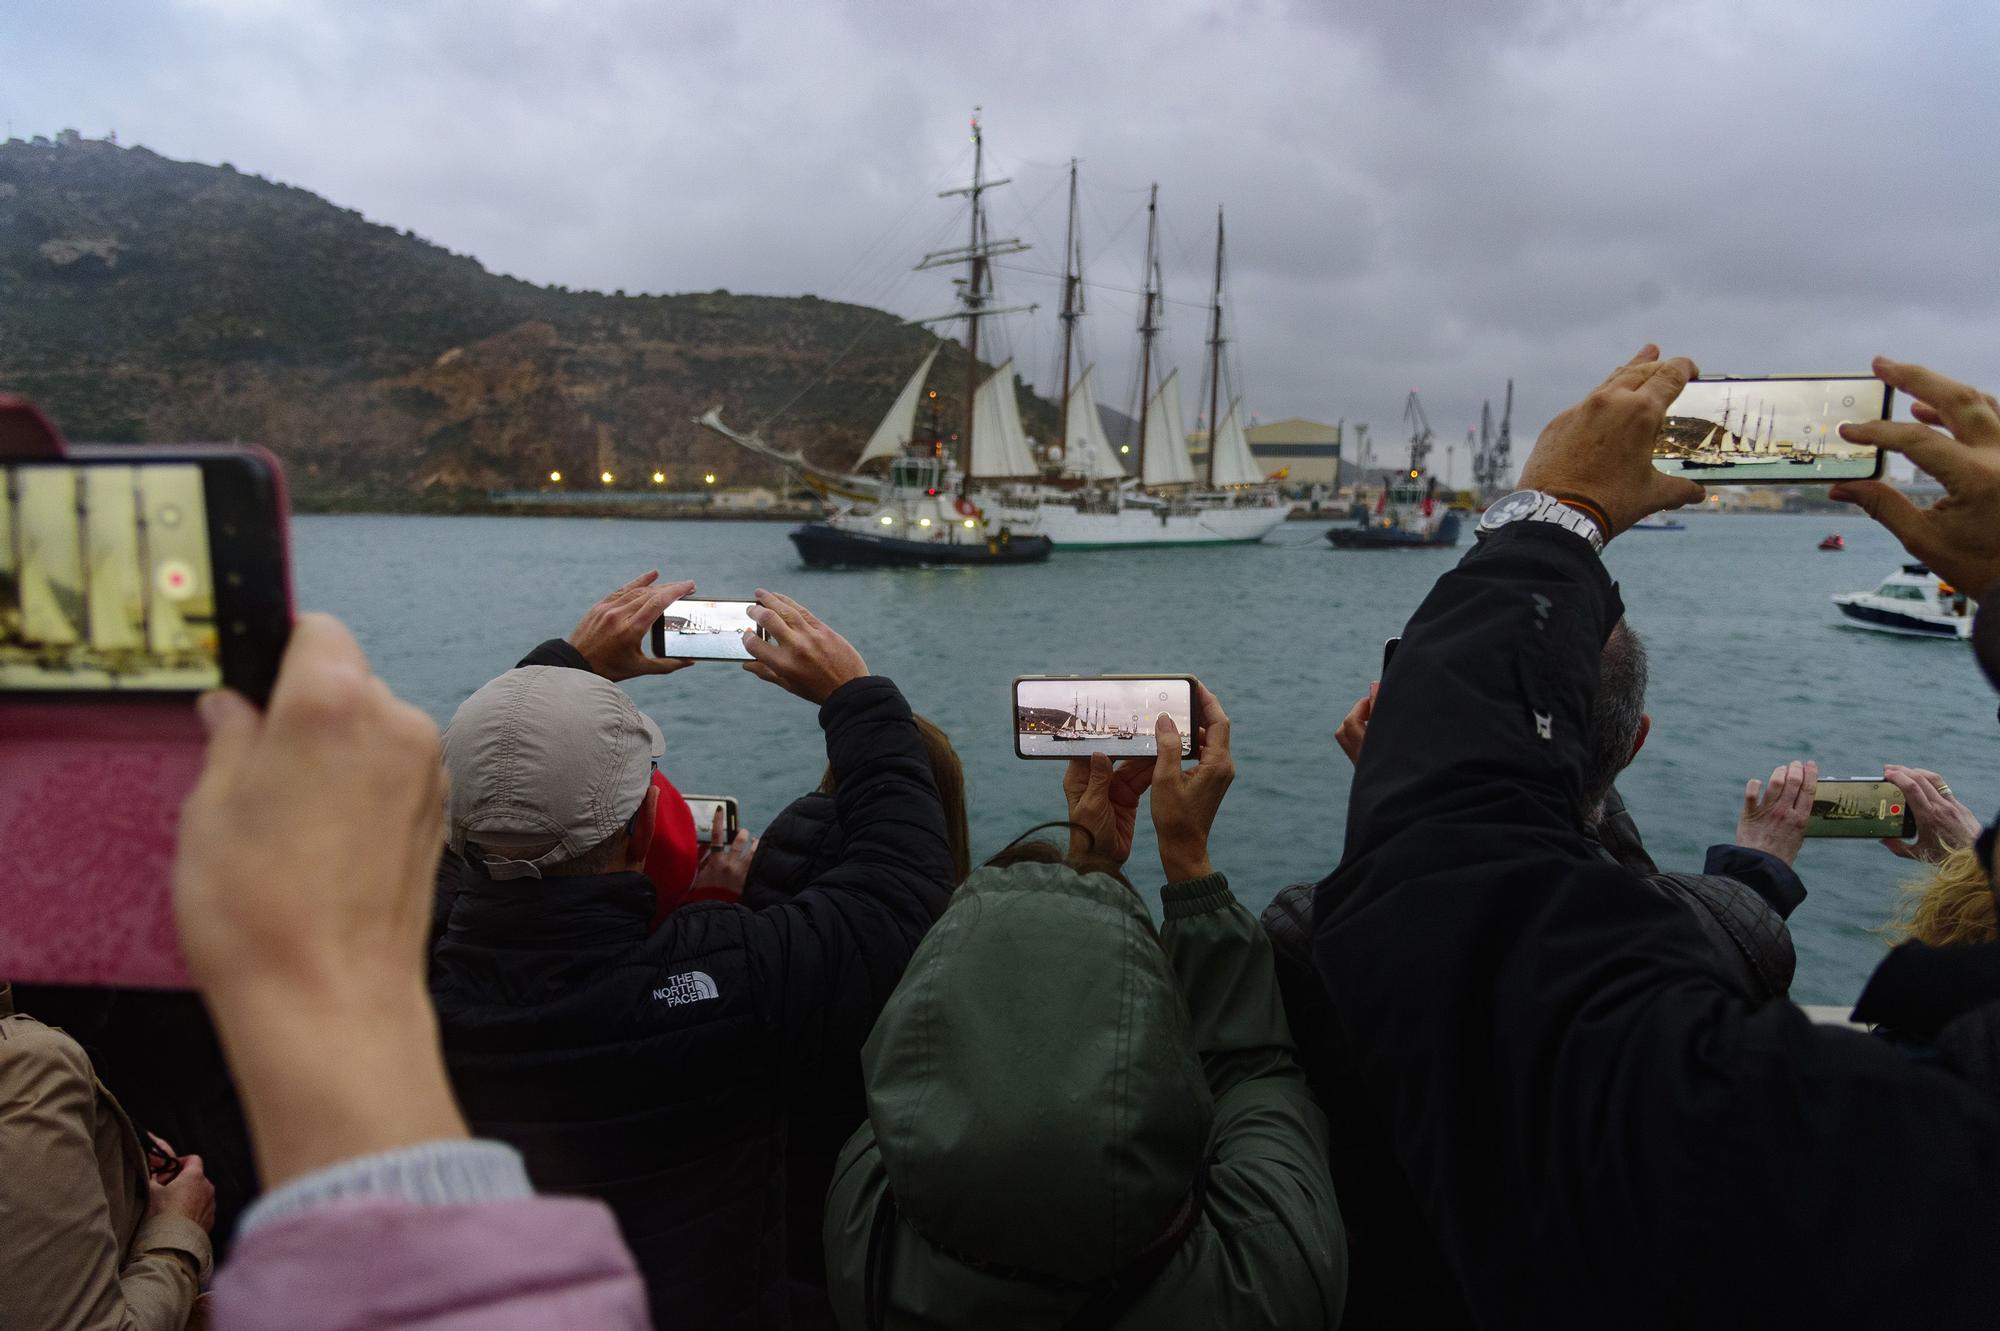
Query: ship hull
{"points": [[822, 545], [1444, 535], [1136, 526]]}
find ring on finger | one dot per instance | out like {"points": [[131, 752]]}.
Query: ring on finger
{"points": [[1943, 789]]}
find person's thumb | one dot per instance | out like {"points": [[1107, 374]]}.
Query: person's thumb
{"points": [[231, 724], [1884, 503], [1167, 740], [660, 665], [1674, 492], [1100, 774]]}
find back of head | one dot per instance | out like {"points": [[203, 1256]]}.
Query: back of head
{"points": [[1616, 714], [547, 766], [1032, 1083]]}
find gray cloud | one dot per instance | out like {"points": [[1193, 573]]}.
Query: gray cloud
{"points": [[1420, 193]]}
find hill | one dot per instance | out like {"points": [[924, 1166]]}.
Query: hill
{"points": [[143, 298]]}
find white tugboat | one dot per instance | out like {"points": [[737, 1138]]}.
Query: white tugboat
{"points": [[1911, 602]]}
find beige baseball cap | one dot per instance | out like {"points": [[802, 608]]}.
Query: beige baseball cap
{"points": [[541, 754]]}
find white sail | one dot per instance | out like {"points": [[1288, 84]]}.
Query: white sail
{"points": [[1090, 453], [901, 422], [1167, 460], [999, 445], [1234, 463]]}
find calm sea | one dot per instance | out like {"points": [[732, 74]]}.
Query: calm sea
{"points": [[1750, 667]]}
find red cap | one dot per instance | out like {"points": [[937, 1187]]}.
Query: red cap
{"points": [[676, 850]]}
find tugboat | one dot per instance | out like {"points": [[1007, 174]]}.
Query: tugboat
{"points": [[1409, 514], [1834, 541], [1912, 603]]}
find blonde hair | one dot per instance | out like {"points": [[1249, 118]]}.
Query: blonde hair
{"points": [[1952, 905]]}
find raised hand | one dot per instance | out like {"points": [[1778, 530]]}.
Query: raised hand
{"points": [[1944, 824], [1185, 799], [800, 655], [611, 636], [1104, 803], [1354, 726], [1775, 821], [1956, 441], [725, 864], [1601, 449], [302, 891]]}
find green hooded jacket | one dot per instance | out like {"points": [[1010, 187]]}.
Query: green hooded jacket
{"points": [[1043, 1089]]}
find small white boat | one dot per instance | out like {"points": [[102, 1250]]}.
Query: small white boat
{"points": [[1912, 602], [1659, 523]]}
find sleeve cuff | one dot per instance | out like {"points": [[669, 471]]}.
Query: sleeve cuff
{"points": [[177, 1233], [1762, 872], [555, 652], [1196, 896], [439, 1173]]}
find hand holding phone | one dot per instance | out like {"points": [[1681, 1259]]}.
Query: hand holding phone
{"points": [[610, 635], [1185, 800]]}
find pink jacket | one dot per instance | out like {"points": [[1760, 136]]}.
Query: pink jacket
{"points": [[528, 1265]]}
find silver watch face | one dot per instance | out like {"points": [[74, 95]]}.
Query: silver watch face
{"points": [[1520, 504]]}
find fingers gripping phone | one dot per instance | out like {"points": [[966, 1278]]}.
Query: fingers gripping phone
{"points": [[131, 579], [1074, 716], [1860, 807], [702, 630], [703, 808], [1777, 431]]}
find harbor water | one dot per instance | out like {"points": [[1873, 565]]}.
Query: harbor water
{"points": [[1750, 667]]}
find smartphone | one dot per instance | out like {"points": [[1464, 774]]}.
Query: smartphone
{"points": [[1862, 807], [130, 579], [142, 572], [1783, 430], [1074, 716], [703, 808], [699, 630], [1389, 646]]}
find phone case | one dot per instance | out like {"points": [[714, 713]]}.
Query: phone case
{"points": [[90, 797]]}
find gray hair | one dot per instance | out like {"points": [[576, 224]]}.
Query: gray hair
{"points": [[1614, 715]]}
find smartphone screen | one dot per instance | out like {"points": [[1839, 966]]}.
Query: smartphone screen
{"points": [[1076, 716], [1782, 430], [699, 630], [703, 808], [105, 579], [1859, 808]]}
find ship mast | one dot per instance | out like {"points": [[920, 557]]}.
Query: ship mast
{"points": [[976, 288], [1072, 305], [1215, 352], [1147, 328]]}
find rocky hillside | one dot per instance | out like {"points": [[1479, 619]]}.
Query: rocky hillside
{"points": [[147, 299]]}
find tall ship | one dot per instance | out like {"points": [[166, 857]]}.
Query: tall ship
{"points": [[1409, 512], [994, 495]]}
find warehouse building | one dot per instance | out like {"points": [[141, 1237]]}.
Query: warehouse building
{"points": [[1308, 452]]}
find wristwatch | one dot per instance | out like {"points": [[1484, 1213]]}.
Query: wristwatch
{"points": [[1541, 506]]}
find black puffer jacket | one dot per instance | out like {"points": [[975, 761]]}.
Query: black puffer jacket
{"points": [[658, 1071]]}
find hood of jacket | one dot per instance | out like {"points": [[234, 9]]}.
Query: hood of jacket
{"points": [[1034, 1094]]}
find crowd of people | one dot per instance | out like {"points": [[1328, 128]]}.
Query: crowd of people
{"points": [[491, 1034]]}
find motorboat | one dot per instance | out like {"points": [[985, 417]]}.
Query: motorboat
{"points": [[1912, 602], [1834, 541], [1659, 523]]}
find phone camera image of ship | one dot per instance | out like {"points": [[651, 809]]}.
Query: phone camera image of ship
{"points": [[1409, 513], [1787, 438], [1912, 603]]}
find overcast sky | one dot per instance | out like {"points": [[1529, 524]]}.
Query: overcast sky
{"points": [[1435, 194]]}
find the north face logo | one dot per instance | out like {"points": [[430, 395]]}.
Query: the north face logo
{"points": [[689, 988]]}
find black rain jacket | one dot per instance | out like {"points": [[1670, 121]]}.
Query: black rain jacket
{"points": [[1595, 1126]]}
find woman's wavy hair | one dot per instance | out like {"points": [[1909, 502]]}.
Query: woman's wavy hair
{"points": [[1952, 904]]}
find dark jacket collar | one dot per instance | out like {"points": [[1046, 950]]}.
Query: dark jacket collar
{"points": [[544, 914], [1919, 989]]}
